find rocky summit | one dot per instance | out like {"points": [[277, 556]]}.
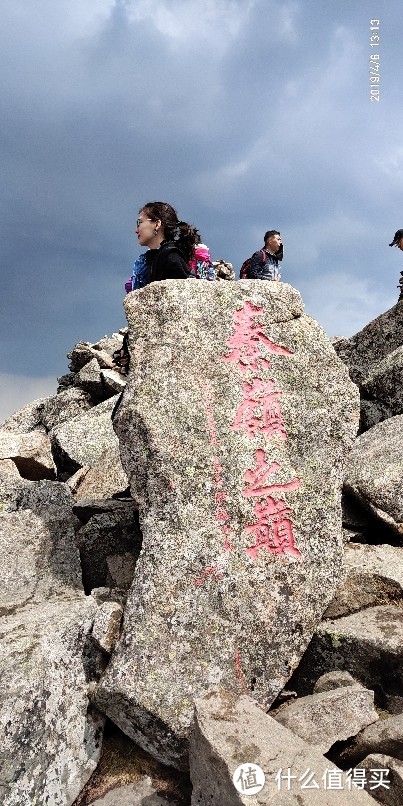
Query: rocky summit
{"points": [[234, 458], [202, 561]]}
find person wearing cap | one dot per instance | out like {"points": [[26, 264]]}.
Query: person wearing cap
{"points": [[398, 241]]}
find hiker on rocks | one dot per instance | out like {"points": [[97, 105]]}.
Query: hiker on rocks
{"points": [[264, 262], [398, 241], [170, 242], [171, 248]]}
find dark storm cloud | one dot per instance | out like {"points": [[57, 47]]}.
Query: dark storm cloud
{"points": [[243, 115]]}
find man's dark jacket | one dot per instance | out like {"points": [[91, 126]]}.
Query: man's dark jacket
{"points": [[267, 269]]}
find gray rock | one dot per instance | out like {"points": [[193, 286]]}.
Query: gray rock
{"points": [[229, 733], [113, 534], [373, 576], [64, 406], [82, 440], [384, 381], [30, 558], [121, 568], [51, 737], [374, 764], [104, 479], [106, 627], [380, 380], [394, 703], [239, 498], [374, 473], [332, 680], [113, 381], [30, 452], [374, 342], [375, 360], [12, 485], [89, 378], [386, 736], [47, 412], [352, 535], [102, 595], [28, 418], [83, 353], [80, 355], [85, 508], [329, 716], [140, 793], [368, 644], [50, 499], [65, 382], [372, 413], [111, 343], [74, 481], [9, 468], [38, 555]]}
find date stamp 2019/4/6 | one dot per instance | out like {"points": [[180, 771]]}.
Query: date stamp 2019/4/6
{"points": [[374, 61]]}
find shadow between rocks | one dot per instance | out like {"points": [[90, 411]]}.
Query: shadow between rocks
{"points": [[123, 762]]}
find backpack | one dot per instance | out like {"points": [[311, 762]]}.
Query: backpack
{"points": [[201, 267], [244, 270], [139, 274]]}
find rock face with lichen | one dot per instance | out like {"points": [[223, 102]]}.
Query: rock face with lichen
{"points": [[232, 430], [228, 732], [51, 655], [375, 471], [374, 357], [51, 736], [235, 459]]}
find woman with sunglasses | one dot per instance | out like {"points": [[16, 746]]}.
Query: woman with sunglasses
{"points": [[170, 242]]}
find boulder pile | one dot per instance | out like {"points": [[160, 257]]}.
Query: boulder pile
{"points": [[179, 559]]}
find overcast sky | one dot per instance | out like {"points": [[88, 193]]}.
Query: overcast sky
{"points": [[244, 114]]}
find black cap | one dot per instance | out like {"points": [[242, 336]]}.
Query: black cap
{"points": [[396, 239]]}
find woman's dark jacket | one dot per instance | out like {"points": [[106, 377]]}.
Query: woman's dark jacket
{"points": [[166, 263]]}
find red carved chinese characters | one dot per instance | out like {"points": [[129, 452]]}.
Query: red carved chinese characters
{"points": [[246, 340], [260, 412], [258, 477], [273, 527]]}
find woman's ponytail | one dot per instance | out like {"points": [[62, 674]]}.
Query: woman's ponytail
{"points": [[187, 239]]}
